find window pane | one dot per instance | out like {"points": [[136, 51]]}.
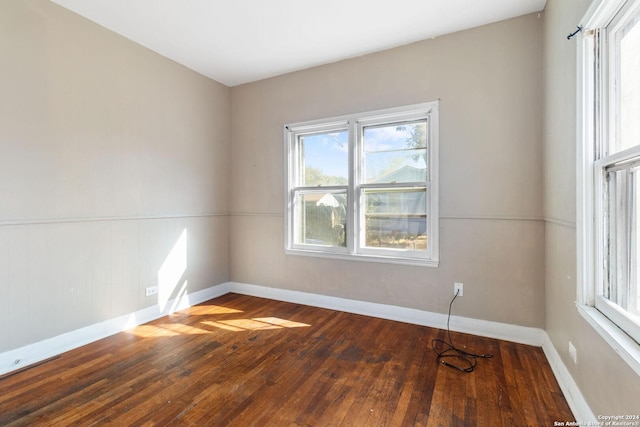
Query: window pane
{"points": [[324, 159], [395, 218], [396, 153], [320, 218], [623, 193], [630, 87]]}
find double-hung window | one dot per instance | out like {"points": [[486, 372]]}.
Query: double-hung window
{"points": [[364, 186], [610, 163]]}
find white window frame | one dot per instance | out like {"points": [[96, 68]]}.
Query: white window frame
{"points": [[595, 127], [355, 123]]}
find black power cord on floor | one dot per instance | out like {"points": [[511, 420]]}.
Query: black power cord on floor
{"points": [[451, 356]]}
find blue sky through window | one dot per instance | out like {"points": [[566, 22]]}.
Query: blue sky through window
{"points": [[329, 152], [390, 148]]}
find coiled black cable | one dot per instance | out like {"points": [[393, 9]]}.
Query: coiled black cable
{"points": [[451, 356]]}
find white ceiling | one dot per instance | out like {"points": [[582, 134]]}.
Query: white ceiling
{"points": [[239, 41]]}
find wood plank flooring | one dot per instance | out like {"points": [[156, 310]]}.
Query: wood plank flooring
{"points": [[246, 361]]}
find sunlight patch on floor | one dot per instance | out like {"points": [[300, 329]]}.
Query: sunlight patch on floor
{"points": [[256, 324], [234, 325], [202, 310], [166, 330]]}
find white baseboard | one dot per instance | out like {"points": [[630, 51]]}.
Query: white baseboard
{"points": [[581, 410], [33, 353], [485, 328]]}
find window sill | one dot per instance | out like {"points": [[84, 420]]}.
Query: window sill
{"points": [[621, 343], [419, 262]]}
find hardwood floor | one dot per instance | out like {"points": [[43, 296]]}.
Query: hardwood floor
{"points": [[246, 361]]}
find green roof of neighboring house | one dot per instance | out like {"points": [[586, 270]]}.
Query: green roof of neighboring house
{"points": [[406, 173]]}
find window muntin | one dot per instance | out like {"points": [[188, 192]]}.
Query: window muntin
{"points": [[385, 206], [612, 135]]}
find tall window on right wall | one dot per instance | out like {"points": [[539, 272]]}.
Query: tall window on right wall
{"points": [[610, 163]]}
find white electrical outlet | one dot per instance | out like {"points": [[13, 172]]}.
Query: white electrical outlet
{"points": [[151, 290], [573, 353], [458, 289]]}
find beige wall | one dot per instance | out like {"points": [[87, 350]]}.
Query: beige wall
{"points": [[608, 384], [489, 82], [108, 152]]}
